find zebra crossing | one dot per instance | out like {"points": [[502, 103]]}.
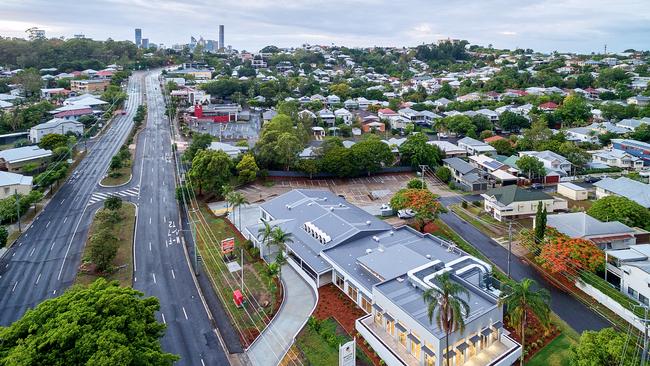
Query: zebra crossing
{"points": [[98, 197]]}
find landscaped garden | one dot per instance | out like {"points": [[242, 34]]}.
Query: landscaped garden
{"points": [[262, 292]]}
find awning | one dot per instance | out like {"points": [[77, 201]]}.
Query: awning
{"points": [[487, 331], [498, 325], [378, 308], [389, 318], [475, 338], [400, 327], [450, 354], [462, 347], [428, 351], [607, 239], [414, 339]]}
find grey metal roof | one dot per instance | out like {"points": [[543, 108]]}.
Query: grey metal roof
{"points": [[24, 153], [10, 179], [581, 225], [626, 187], [459, 165]]}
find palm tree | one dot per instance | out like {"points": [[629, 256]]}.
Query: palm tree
{"points": [[279, 238], [236, 200], [264, 235], [226, 189], [449, 309], [521, 298], [272, 271]]}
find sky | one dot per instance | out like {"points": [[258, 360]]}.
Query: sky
{"points": [[583, 26]]}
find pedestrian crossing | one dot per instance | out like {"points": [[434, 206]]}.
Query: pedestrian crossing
{"points": [[98, 197]]}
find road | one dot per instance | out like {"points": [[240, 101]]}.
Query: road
{"points": [[45, 258], [562, 303], [161, 266]]}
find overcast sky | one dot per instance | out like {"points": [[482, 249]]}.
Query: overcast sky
{"points": [[545, 25]]}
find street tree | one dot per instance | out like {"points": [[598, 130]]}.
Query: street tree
{"points": [[210, 171], [605, 347], [540, 223], [531, 166], [423, 203], [113, 203], [247, 169], [102, 324], [103, 248], [415, 151], [287, 148], [52, 141], [371, 154], [4, 235], [199, 142], [443, 173]]}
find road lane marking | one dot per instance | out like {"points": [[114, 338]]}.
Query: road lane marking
{"points": [[154, 277], [151, 200], [63, 200], [47, 225], [38, 278], [14, 289], [163, 318], [135, 279], [150, 221], [52, 247], [165, 218], [184, 312], [202, 363], [173, 275], [32, 253], [65, 219], [149, 246]]}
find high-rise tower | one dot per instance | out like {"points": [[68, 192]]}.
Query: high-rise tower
{"points": [[138, 37], [222, 45]]}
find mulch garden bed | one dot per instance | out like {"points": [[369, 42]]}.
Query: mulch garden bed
{"points": [[332, 303], [537, 337]]}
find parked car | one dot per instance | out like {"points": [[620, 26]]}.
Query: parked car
{"points": [[590, 179], [537, 186], [406, 214]]}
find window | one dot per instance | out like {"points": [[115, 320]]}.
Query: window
{"points": [[644, 299], [390, 327], [429, 360], [402, 339], [632, 292], [415, 349], [352, 292], [340, 282], [379, 317], [365, 304], [6, 190]]}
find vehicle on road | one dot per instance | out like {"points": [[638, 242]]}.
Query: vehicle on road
{"points": [[590, 179], [537, 186]]}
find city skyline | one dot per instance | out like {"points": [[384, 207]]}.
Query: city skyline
{"points": [[566, 26]]}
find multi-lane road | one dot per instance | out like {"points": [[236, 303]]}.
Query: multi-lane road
{"points": [[44, 261]]}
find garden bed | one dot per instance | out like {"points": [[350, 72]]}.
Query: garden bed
{"points": [[120, 176], [123, 262], [263, 295]]}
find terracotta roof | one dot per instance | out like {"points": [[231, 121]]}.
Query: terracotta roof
{"points": [[493, 138], [548, 105]]}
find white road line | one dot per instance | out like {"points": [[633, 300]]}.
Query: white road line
{"points": [[151, 200], [47, 225], [54, 292], [38, 278], [63, 200], [16, 284], [202, 363], [163, 318], [149, 246], [32, 253], [65, 219], [165, 218], [150, 221], [173, 275], [135, 279], [52, 247], [184, 312], [154, 277]]}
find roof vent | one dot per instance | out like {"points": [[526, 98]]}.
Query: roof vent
{"points": [[331, 208], [368, 251], [375, 238], [288, 207], [368, 222], [391, 233], [428, 256], [400, 279]]}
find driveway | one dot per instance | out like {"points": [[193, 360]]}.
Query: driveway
{"points": [[299, 302], [575, 313]]}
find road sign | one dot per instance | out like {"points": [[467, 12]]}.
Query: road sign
{"points": [[347, 353], [227, 245]]}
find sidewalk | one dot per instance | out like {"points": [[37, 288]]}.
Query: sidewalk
{"points": [[274, 342]]}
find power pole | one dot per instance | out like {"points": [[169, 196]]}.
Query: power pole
{"points": [[644, 355], [242, 270], [196, 246], [423, 167], [509, 245]]}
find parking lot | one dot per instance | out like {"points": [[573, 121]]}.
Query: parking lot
{"points": [[231, 130], [362, 191]]}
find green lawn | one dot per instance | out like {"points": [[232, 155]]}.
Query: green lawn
{"points": [[124, 175], [318, 351]]}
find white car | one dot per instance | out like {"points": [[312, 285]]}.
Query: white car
{"points": [[406, 214]]}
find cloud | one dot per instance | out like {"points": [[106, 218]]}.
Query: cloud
{"points": [[565, 25]]}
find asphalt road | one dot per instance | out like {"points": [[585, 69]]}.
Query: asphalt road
{"points": [[44, 260], [161, 267], [568, 308]]}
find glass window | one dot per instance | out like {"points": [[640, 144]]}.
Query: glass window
{"points": [[632, 292], [340, 282], [415, 350], [429, 360], [402, 338], [365, 304], [390, 328], [643, 299], [352, 292], [379, 317]]}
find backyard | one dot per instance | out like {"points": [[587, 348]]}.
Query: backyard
{"points": [[123, 262], [262, 293]]}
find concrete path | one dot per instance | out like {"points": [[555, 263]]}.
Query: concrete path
{"points": [[299, 302]]}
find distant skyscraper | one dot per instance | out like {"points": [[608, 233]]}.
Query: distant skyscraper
{"points": [[145, 43], [138, 37], [221, 44]]}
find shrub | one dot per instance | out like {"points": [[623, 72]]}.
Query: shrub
{"points": [[444, 174], [416, 183], [476, 203], [463, 204]]}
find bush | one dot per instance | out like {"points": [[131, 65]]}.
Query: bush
{"points": [[463, 204], [416, 183], [255, 253], [443, 173], [476, 203], [4, 234]]}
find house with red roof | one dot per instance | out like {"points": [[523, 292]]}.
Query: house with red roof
{"points": [[104, 74], [386, 113], [548, 106]]}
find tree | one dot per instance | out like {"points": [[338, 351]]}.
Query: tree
{"points": [[52, 141], [199, 142], [272, 272], [31, 81], [103, 248], [4, 235], [531, 166], [247, 169], [460, 124], [287, 148], [521, 299], [279, 238], [567, 255], [415, 151], [113, 203], [641, 133], [446, 304], [102, 324], [421, 201], [573, 110], [540, 223], [443, 173], [503, 147], [510, 121], [237, 200], [338, 160], [605, 347], [210, 170], [371, 154], [308, 166], [416, 183], [617, 208], [264, 234]]}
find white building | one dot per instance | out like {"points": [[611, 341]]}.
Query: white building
{"points": [[11, 183], [56, 125], [512, 202]]}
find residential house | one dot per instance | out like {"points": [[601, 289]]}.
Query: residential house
{"points": [[441, 102], [635, 148], [495, 170], [344, 115], [465, 176], [476, 147], [551, 160], [629, 271], [450, 150], [574, 191], [631, 124], [639, 100], [268, 115], [231, 150], [582, 134], [351, 104], [617, 158], [333, 99], [579, 225], [386, 113], [385, 270], [56, 125], [89, 85], [512, 202], [306, 114], [327, 117], [548, 106], [13, 160], [12, 183], [624, 187], [71, 112]]}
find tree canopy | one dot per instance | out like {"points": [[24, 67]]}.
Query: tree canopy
{"points": [[210, 171], [606, 347], [102, 324], [415, 151], [617, 208]]}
